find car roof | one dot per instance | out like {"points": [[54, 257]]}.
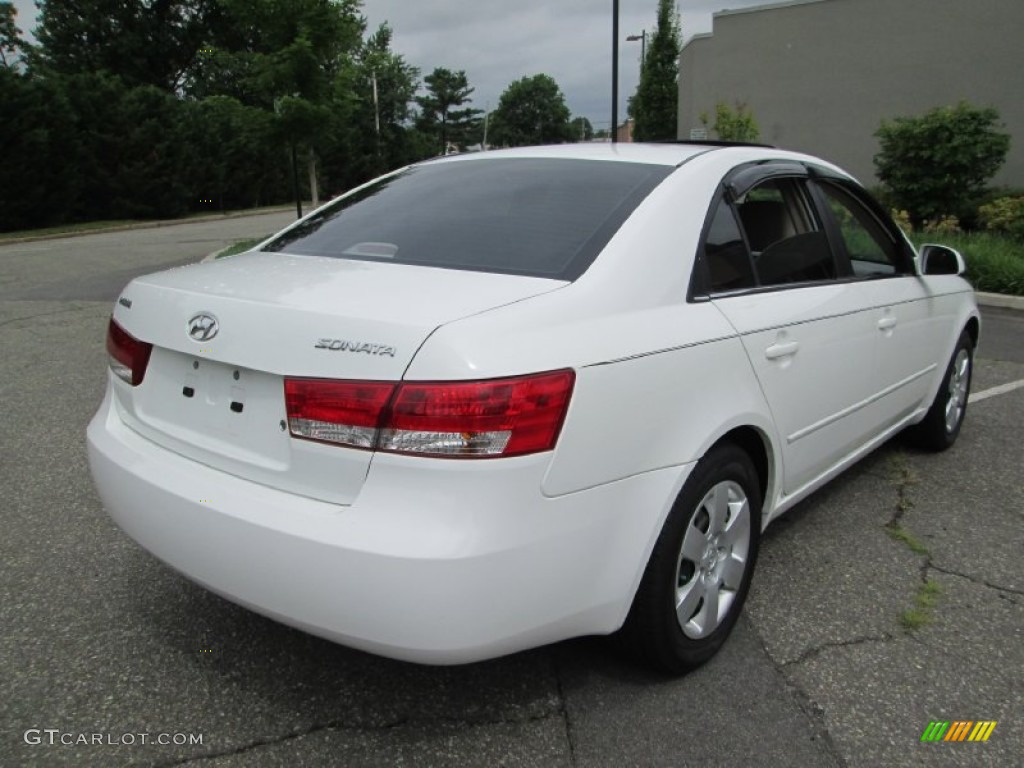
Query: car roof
{"points": [[667, 154]]}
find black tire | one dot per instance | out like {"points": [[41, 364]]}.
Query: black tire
{"points": [[652, 631], [941, 425]]}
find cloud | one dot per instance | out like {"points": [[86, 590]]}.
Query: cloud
{"points": [[497, 42]]}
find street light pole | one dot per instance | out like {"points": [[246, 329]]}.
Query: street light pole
{"points": [[642, 37], [615, 70]]}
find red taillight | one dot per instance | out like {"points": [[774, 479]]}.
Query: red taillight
{"points": [[345, 412], [128, 356], [475, 419], [499, 417]]}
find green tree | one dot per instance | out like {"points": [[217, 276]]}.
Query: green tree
{"points": [[934, 165], [733, 124], [532, 110], [144, 43], [581, 129], [153, 156], [654, 107], [439, 113], [354, 150], [288, 62], [11, 43], [40, 182], [238, 160]]}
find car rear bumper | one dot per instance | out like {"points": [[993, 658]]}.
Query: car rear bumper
{"points": [[437, 561]]}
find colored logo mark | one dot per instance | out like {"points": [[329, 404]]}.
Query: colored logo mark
{"points": [[958, 730]]}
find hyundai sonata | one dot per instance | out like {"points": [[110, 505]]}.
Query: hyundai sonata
{"points": [[489, 402]]}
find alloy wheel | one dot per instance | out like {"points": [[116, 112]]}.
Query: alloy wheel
{"points": [[959, 381], [713, 559]]}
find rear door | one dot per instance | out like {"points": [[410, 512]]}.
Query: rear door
{"points": [[768, 266]]}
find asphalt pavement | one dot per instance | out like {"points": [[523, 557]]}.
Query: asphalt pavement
{"points": [[100, 643]]}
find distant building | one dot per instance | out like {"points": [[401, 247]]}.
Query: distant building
{"points": [[820, 75], [624, 132]]}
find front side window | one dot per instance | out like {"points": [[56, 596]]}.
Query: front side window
{"points": [[541, 217], [870, 249]]}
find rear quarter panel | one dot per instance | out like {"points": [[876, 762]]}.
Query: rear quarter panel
{"points": [[659, 380]]}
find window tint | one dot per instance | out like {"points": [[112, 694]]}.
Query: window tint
{"points": [[870, 249], [538, 217], [726, 257], [785, 240]]}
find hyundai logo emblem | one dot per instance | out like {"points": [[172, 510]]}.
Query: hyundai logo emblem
{"points": [[202, 327]]}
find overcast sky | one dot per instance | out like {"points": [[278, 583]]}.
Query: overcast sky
{"points": [[498, 41]]}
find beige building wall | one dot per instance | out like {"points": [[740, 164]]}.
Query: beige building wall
{"points": [[820, 75]]}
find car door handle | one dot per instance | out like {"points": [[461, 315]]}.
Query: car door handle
{"points": [[783, 349], [887, 323]]}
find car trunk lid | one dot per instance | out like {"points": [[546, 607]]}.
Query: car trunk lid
{"points": [[226, 334]]}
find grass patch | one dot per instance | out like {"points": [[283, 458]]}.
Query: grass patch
{"points": [[240, 247], [924, 601], [995, 262], [928, 594], [899, 533], [915, 619]]}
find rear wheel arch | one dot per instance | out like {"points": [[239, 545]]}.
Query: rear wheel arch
{"points": [[696, 579], [757, 446]]}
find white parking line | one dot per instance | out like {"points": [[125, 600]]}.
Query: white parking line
{"points": [[1002, 389]]}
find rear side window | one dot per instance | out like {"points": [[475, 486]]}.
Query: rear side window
{"points": [[769, 236], [524, 216], [786, 243], [728, 263]]}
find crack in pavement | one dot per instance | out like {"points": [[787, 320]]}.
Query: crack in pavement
{"points": [[813, 711], [564, 709], [816, 650], [400, 722], [923, 599], [248, 747], [906, 478], [975, 580]]}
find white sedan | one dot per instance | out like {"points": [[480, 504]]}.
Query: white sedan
{"points": [[492, 401]]}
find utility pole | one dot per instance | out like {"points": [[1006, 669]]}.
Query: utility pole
{"points": [[295, 183], [487, 117], [376, 118], [615, 71], [295, 164]]}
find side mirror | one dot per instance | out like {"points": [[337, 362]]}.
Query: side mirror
{"points": [[940, 260]]}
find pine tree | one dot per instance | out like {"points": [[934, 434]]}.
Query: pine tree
{"points": [[654, 108]]}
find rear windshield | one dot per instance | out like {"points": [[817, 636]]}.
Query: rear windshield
{"points": [[523, 216]]}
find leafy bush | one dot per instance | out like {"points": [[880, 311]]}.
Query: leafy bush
{"points": [[1005, 214], [935, 165], [995, 263], [733, 124]]}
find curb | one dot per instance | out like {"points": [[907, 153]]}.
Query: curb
{"points": [[1000, 300]]}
